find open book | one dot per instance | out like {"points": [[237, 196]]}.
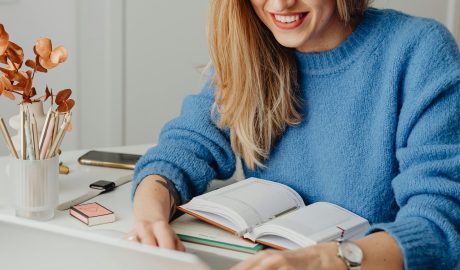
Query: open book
{"points": [[274, 214], [191, 229]]}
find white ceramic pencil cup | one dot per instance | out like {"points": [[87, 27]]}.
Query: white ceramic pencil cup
{"points": [[36, 185]]}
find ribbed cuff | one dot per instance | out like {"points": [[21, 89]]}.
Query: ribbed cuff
{"points": [[166, 170], [420, 247]]}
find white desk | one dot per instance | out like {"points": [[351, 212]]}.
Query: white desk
{"points": [[119, 201]]}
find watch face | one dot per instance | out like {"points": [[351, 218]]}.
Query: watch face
{"points": [[102, 184], [352, 252]]}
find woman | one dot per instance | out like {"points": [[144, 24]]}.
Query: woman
{"points": [[344, 103]]}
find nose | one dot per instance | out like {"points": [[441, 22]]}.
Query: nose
{"points": [[281, 5]]}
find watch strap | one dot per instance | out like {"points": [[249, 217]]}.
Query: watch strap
{"points": [[93, 193], [123, 180]]}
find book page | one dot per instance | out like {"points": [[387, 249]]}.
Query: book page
{"points": [[315, 223], [194, 228], [254, 200]]}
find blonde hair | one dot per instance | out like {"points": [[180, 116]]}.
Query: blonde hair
{"points": [[255, 78]]}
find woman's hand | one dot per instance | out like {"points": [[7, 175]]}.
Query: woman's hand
{"points": [[152, 210], [322, 256], [156, 233]]}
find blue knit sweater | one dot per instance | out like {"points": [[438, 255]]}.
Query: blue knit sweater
{"points": [[380, 136]]}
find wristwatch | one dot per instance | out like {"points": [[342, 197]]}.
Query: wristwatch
{"points": [[351, 254], [96, 188]]}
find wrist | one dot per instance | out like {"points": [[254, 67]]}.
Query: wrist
{"points": [[327, 254], [152, 201]]}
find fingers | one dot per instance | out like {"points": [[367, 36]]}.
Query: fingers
{"points": [[145, 233], [179, 245], [158, 233], [165, 235]]}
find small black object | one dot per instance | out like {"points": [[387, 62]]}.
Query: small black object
{"points": [[103, 185]]}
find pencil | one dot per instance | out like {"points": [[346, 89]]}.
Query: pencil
{"points": [[7, 136], [35, 137], [23, 133], [48, 137], [65, 126], [45, 128], [28, 136], [56, 126], [58, 140]]}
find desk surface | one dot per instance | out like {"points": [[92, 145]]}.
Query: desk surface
{"points": [[76, 183]]}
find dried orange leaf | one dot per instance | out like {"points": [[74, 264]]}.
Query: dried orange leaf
{"points": [[21, 76], [12, 65], [46, 63], [3, 59], [29, 92], [47, 93], [70, 103], [20, 86], [8, 95], [17, 49], [30, 63], [6, 84], [8, 73], [59, 55], [13, 75], [28, 86], [16, 59], [43, 47], [39, 67], [62, 107], [62, 96], [4, 38], [66, 105]]}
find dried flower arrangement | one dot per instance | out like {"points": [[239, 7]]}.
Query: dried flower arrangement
{"points": [[19, 82], [39, 137]]}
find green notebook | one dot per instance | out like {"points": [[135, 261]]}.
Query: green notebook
{"points": [[191, 229]]}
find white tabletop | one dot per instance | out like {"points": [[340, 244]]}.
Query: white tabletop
{"points": [[77, 183]]}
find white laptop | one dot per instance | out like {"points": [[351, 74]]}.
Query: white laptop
{"points": [[61, 248]]}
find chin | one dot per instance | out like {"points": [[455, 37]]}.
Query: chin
{"points": [[290, 42]]}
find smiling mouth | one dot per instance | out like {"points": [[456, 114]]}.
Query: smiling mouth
{"points": [[288, 18], [288, 21]]}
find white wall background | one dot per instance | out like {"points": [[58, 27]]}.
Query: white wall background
{"points": [[165, 45], [132, 62]]}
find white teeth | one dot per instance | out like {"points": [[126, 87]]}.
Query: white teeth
{"points": [[287, 19]]}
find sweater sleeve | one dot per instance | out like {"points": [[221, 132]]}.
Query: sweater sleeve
{"points": [[427, 188], [191, 150]]}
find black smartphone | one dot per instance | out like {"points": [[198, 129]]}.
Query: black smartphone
{"points": [[109, 159]]}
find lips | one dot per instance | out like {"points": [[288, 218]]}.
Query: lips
{"points": [[288, 21]]}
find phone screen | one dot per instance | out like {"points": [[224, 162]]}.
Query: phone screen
{"points": [[109, 159]]}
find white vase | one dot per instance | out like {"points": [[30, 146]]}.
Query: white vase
{"points": [[35, 108]]}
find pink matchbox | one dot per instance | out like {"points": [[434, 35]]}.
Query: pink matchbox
{"points": [[92, 214]]}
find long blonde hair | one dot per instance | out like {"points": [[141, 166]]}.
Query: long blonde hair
{"points": [[255, 77]]}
